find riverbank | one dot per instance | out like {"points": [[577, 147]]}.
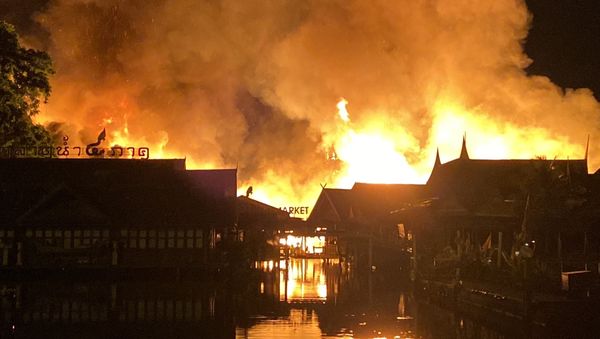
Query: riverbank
{"points": [[536, 315]]}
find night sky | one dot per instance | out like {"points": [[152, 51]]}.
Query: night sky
{"points": [[564, 42]]}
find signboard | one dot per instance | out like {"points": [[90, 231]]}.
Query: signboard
{"points": [[295, 210], [65, 151]]}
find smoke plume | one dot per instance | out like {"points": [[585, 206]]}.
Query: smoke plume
{"points": [[254, 83]]}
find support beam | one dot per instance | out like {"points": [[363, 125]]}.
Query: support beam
{"points": [[499, 260]]}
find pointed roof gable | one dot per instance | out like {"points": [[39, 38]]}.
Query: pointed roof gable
{"points": [[332, 206], [437, 162], [587, 149], [363, 202], [464, 155], [475, 182]]}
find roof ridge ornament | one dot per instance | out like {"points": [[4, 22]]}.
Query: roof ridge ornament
{"points": [[587, 148], [437, 162], [463, 151]]}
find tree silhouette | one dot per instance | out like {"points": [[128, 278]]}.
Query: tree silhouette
{"points": [[24, 85]]}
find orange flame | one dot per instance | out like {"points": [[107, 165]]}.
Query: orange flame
{"points": [[379, 152]]}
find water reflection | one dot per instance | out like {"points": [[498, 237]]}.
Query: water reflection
{"points": [[304, 280], [324, 299], [327, 299], [100, 310], [299, 298], [298, 323]]}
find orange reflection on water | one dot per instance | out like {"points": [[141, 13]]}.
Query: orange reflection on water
{"points": [[303, 280]]}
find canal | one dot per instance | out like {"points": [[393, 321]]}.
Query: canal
{"points": [[297, 298]]}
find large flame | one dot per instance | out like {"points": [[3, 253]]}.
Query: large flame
{"points": [[371, 154], [253, 85], [375, 153]]}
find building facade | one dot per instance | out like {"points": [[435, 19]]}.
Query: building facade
{"points": [[68, 213]]}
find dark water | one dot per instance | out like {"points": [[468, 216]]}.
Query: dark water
{"points": [[308, 298]]}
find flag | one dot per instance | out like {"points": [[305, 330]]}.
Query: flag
{"points": [[487, 244]]}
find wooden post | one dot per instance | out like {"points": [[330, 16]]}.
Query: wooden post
{"points": [[499, 260], [414, 258], [370, 270], [19, 254], [18, 296], [113, 296], [585, 247], [370, 253], [115, 254], [5, 256], [559, 246], [285, 281]]}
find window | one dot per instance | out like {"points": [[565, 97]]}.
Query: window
{"points": [[87, 238], [152, 239], [77, 239], [133, 234], [199, 243], [58, 238], [171, 239], [67, 240], [161, 239], [142, 239], [96, 237], [180, 238], [189, 239]]}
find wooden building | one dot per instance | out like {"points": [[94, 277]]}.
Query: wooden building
{"points": [[479, 218], [357, 222], [68, 213], [484, 219]]}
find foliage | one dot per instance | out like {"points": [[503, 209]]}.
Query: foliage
{"points": [[24, 84]]}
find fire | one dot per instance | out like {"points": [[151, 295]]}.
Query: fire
{"points": [[342, 111], [370, 154], [376, 153], [492, 138], [118, 135]]}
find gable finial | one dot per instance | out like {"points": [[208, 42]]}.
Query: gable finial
{"points": [[463, 151], [587, 148]]}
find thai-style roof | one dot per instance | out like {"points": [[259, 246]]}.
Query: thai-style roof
{"points": [[362, 201], [480, 184], [253, 213], [461, 187], [332, 206], [120, 192]]}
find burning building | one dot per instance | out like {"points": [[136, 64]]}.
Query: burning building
{"points": [[478, 215], [256, 84]]}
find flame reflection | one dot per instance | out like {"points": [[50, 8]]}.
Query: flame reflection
{"points": [[304, 280]]}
